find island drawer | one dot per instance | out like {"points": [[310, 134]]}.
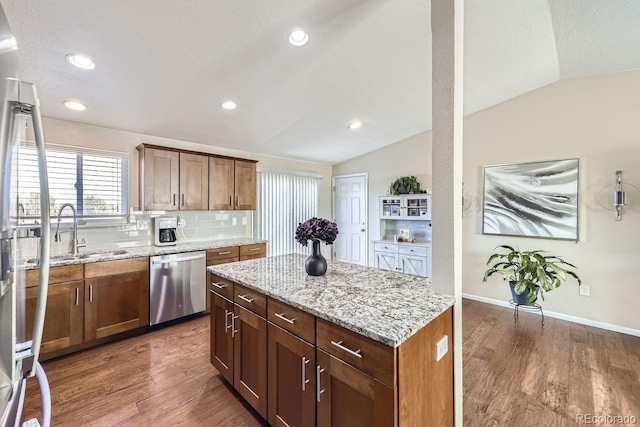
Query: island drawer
{"points": [[251, 300], [412, 250], [385, 247], [65, 273], [223, 253], [258, 250], [298, 322], [221, 286], [372, 357]]}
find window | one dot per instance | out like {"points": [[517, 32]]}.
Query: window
{"points": [[95, 183], [284, 201]]}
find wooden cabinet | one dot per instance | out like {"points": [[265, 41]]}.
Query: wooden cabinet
{"points": [[239, 340], [292, 380], [116, 297], [194, 182], [232, 184], [63, 321], [245, 185], [159, 179], [349, 397]]}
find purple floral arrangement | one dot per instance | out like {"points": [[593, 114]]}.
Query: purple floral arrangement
{"points": [[316, 229]]}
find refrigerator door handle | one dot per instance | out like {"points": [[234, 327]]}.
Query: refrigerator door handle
{"points": [[28, 104]]}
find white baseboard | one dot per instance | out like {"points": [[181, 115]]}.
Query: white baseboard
{"points": [[561, 316]]}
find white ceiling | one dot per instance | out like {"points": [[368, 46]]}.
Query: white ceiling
{"points": [[164, 66]]}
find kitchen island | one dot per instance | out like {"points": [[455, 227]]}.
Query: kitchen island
{"points": [[357, 346]]}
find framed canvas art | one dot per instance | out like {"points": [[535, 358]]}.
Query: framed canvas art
{"points": [[538, 199]]}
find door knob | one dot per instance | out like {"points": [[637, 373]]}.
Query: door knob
{"points": [[362, 229]]}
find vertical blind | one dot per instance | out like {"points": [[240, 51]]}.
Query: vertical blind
{"points": [[96, 184], [284, 201]]}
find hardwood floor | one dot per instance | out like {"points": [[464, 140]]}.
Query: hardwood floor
{"points": [[527, 375], [514, 375]]}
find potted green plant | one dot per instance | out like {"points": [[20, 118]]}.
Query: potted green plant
{"points": [[529, 272], [405, 185]]}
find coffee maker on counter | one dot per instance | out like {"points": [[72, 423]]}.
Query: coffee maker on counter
{"points": [[165, 230]]}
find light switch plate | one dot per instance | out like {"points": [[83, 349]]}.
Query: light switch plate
{"points": [[442, 347]]}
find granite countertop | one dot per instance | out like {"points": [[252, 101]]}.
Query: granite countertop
{"points": [[142, 251], [385, 306]]}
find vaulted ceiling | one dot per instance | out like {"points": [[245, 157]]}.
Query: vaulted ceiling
{"points": [[164, 66]]}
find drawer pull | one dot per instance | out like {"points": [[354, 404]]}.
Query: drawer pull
{"points": [[282, 316], [244, 298], [348, 350], [319, 391], [254, 249], [224, 253], [219, 285], [305, 381]]}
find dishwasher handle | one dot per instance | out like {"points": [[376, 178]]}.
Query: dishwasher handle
{"points": [[177, 259]]}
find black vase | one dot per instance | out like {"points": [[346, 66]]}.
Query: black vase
{"points": [[316, 265]]}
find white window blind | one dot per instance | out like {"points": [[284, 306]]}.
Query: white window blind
{"points": [[96, 184], [284, 201]]}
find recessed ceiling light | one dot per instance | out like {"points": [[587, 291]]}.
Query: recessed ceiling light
{"points": [[355, 124], [229, 105], [81, 61], [298, 37], [74, 105]]}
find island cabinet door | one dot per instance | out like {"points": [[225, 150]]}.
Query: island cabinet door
{"points": [[250, 358], [115, 304], [349, 397], [221, 338], [292, 380]]}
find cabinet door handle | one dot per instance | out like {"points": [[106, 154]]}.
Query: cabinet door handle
{"points": [[282, 316], [305, 381], [230, 201], [219, 285], [174, 199], [348, 350], [182, 199], [90, 293], [319, 391], [226, 320], [224, 253], [234, 331], [77, 296], [244, 298]]}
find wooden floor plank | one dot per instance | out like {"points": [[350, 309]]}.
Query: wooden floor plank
{"points": [[515, 374]]}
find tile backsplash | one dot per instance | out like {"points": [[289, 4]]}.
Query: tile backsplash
{"points": [[136, 230], [420, 230]]}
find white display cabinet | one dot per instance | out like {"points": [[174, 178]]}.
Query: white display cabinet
{"points": [[405, 206]]}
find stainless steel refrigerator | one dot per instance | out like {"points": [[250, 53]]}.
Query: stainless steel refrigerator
{"points": [[18, 355]]}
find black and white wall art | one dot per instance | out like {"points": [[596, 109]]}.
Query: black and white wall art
{"points": [[537, 199]]}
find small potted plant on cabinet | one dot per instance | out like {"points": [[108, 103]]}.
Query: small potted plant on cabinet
{"points": [[529, 273], [405, 185]]}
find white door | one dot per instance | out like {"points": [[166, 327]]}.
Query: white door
{"points": [[350, 213]]}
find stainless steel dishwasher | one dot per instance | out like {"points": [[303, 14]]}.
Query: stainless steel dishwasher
{"points": [[178, 286]]}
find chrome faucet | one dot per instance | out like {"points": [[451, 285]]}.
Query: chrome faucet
{"points": [[75, 246]]}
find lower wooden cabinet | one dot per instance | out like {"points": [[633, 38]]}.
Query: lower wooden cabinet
{"points": [[349, 397], [63, 321], [292, 380], [239, 350]]}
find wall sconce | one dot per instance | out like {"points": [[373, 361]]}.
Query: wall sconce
{"points": [[624, 195], [619, 196]]}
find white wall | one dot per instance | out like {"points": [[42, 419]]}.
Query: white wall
{"points": [[595, 119], [84, 135], [411, 156]]}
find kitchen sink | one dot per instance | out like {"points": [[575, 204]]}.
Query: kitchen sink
{"points": [[69, 257]]}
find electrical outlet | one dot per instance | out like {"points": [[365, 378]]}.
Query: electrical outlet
{"points": [[585, 290], [244, 221], [442, 347], [234, 221]]}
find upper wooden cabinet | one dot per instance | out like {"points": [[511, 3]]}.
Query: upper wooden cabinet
{"points": [[194, 182], [159, 179], [172, 179], [232, 184]]}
